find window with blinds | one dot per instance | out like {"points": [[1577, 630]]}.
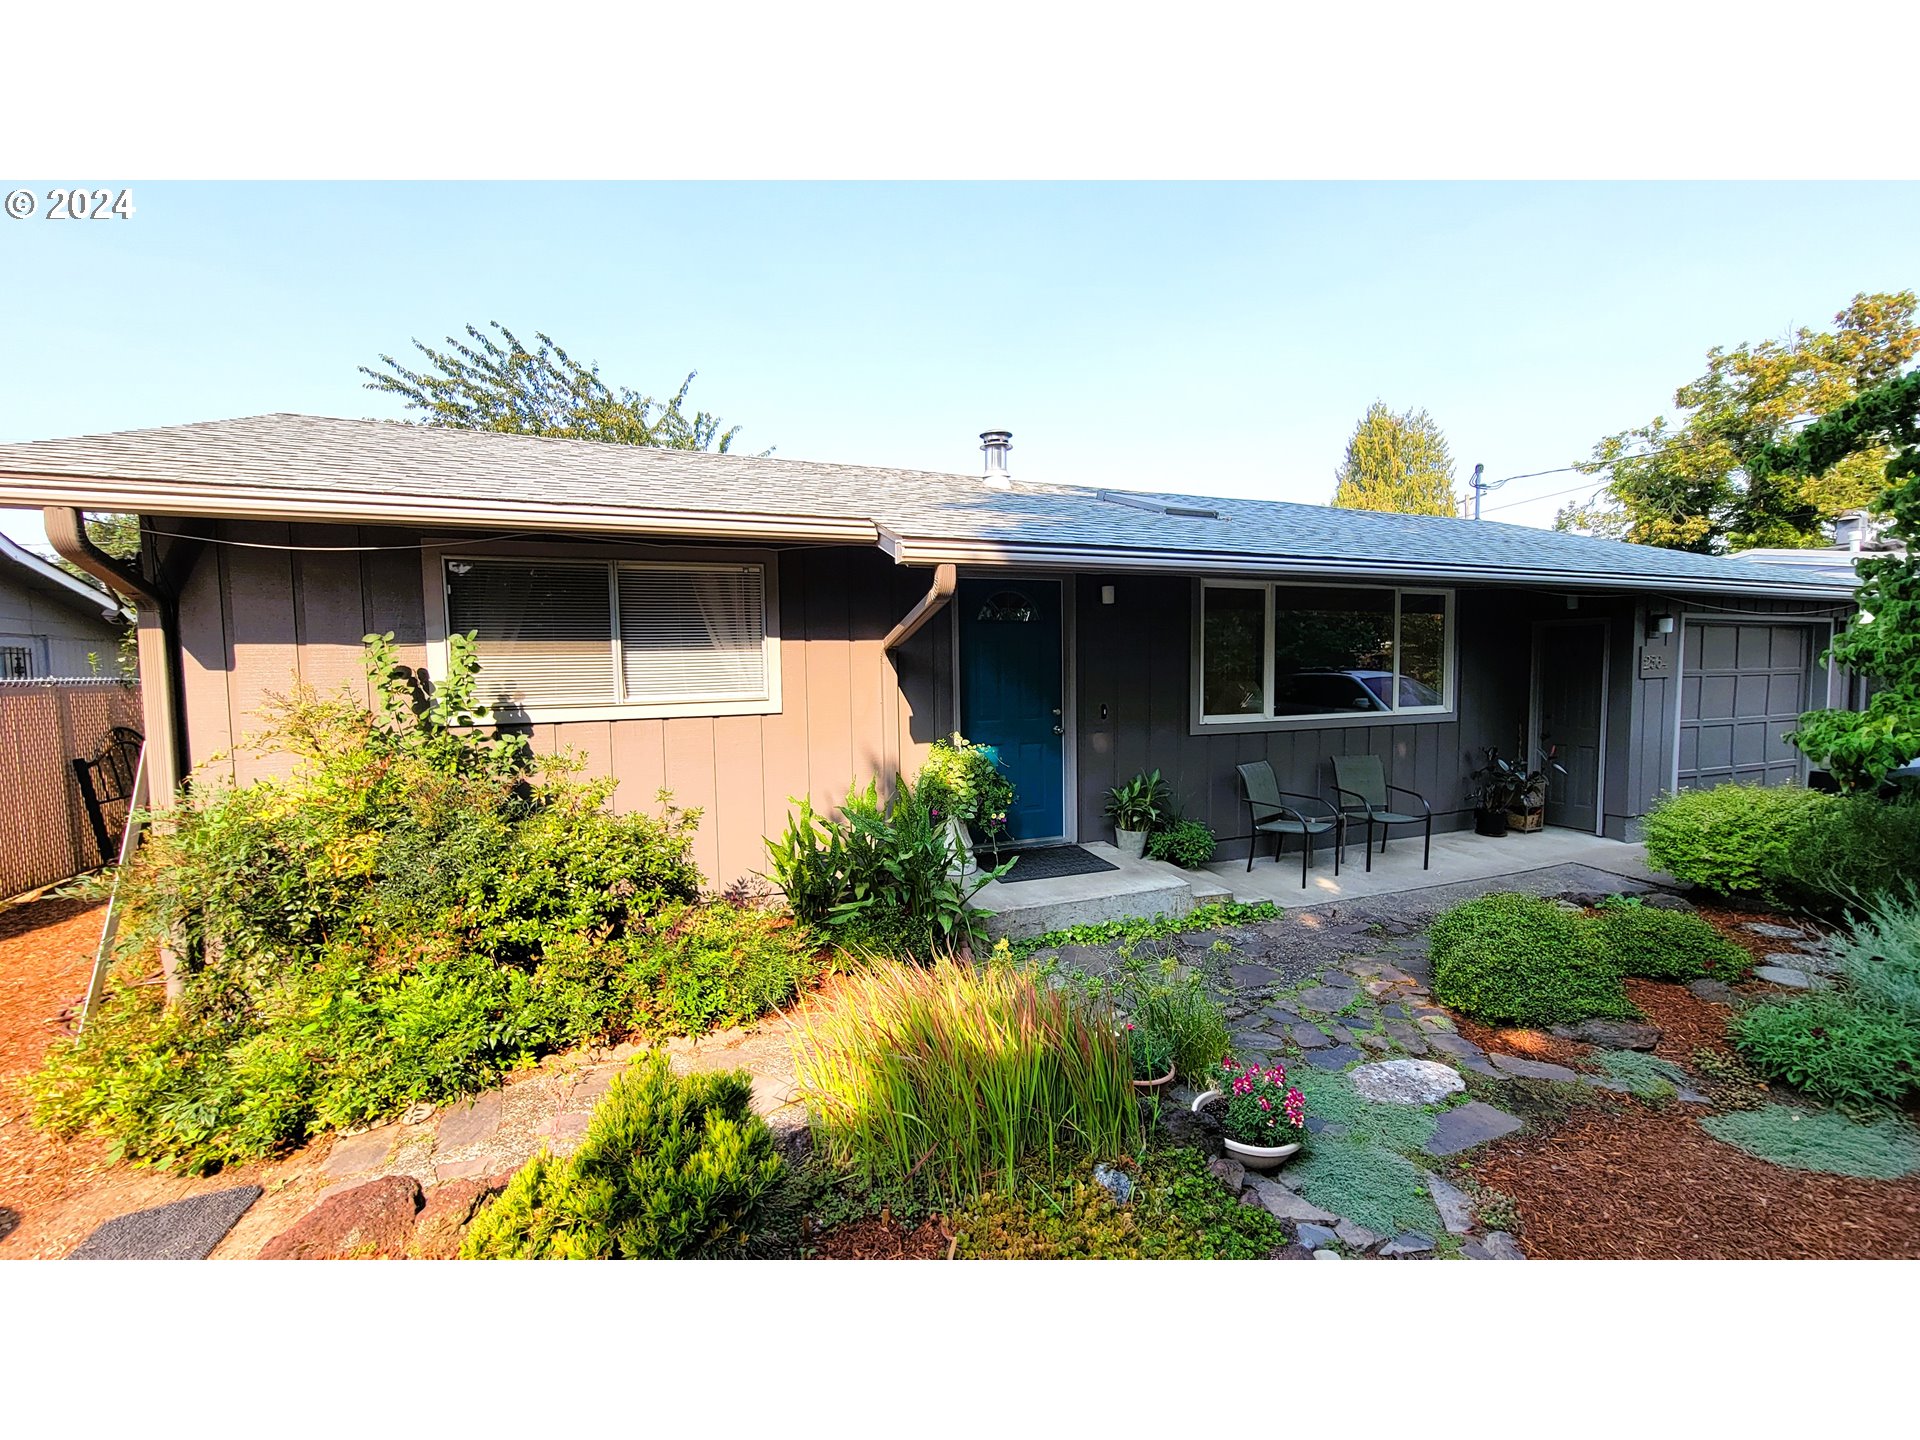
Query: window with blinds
{"points": [[551, 633]]}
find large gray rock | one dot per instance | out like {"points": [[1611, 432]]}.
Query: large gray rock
{"points": [[1772, 932], [1313, 1237], [1228, 1171], [1356, 1236], [1717, 992], [1789, 977], [1612, 1034], [1455, 1205], [184, 1230], [1661, 900], [1407, 1082], [1471, 1124], [1283, 1204], [1406, 1245], [1531, 1069]]}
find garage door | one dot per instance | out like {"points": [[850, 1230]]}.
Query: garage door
{"points": [[1742, 688]]}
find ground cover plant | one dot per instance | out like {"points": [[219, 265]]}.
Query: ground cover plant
{"points": [[955, 1076], [1667, 944], [671, 1167], [1521, 960], [1176, 1211], [1647, 1076], [1218, 915], [1882, 1148], [415, 912]]}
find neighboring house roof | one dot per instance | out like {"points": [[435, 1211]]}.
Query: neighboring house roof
{"points": [[1829, 562], [304, 467], [27, 568]]}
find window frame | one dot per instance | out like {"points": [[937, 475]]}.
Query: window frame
{"points": [[1203, 724], [435, 555]]}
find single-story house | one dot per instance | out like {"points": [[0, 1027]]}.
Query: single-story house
{"points": [[52, 625], [742, 630]]}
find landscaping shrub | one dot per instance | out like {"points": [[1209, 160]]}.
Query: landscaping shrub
{"points": [[1732, 839], [1522, 960], [410, 916], [1886, 1148], [1186, 843], [877, 878], [1668, 944], [1879, 954], [1178, 1211], [1852, 851], [1167, 1002], [957, 1075], [1833, 1047], [671, 1168]]}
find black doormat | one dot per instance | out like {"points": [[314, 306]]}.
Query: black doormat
{"points": [[1052, 863]]}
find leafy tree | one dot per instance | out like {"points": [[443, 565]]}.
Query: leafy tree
{"points": [[1858, 748], [1687, 484], [1395, 462], [542, 390]]}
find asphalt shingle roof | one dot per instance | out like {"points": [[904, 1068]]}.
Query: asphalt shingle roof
{"points": [[286, 457]]}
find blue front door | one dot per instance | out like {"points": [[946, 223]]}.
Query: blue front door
{"points": [[1010, 693]]}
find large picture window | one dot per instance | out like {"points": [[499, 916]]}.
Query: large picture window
{"points": [[1281, 652], [554, 634]]}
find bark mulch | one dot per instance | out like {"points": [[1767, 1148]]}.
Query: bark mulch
{"points": [[880, 1237], [1732, 925], [1650, 1184], [1686, 1022], [1530, 1044]]}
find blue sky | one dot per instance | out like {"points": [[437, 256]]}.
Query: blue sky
{"points": [[1210, 338]]}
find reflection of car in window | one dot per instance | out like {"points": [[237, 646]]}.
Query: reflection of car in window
{"points": [[1321, 692]]}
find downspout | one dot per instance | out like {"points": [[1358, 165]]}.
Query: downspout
{"points": [[945, 578]]}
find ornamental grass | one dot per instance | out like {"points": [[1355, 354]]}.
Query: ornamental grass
{"points": [[951, 1078]]}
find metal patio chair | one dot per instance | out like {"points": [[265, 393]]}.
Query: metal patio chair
{"points": [[1361, 783], [1270, 815]]}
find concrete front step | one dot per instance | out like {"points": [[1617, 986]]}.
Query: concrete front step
{"points": [[1137, 889]]}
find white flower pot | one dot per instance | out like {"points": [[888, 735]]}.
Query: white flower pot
{"points": [[1253, 1157], [961, 844], [1130, 843]]}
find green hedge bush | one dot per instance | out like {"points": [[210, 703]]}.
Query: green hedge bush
{"points": [[1853, 850], [1668, 945], [1732, 839], [1521, 960], [671, 1168], [1186, 843], [1832, 1047]]}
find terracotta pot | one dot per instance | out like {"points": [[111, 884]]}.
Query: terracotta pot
{"points": [[1147, 1087]]}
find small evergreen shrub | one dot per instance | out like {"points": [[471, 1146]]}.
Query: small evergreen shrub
{"points": [[671, 1167], [1186, 843], [1668, 944], [1853, 851], [706, 967], [1879, 953], [1521, 960], [1832, 1047], [1732, 839], [1886, 1148]]}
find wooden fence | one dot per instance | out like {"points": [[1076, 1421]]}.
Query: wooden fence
{"points": [[45, 725]]}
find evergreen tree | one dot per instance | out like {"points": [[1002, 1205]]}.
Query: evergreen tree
{"points": [[1395, 462]]}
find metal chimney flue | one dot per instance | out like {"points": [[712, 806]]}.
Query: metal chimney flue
{"points": [[995, 444]]}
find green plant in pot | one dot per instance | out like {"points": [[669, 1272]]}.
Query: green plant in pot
{"points": [[1151, 1050], [968, 791], [1496, 789], [1135, 808]]}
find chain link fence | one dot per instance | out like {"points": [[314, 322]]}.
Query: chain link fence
{"points": [[45, 725]]}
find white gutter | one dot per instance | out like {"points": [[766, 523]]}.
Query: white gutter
{"points": [[909, 551], [225, 502]]}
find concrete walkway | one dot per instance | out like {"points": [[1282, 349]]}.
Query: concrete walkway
{"points": [[1457, 857]]}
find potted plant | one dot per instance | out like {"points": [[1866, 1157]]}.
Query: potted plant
{"points": [[1529, 810], [1152, 1054], [1265, 1119], [1495, 791], [969, 792], [1134, 808]]}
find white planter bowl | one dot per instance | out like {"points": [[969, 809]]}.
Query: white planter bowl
{"points": [[1253, 1157]]}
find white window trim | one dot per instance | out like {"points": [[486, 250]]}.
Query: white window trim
{"points": [[435, 554], [1203, 724]]}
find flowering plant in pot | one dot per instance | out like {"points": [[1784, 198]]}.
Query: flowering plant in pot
{"points": [[1264, 1119], [968, 791], [1152, 1054]]}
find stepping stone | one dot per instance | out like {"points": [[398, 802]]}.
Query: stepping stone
{"points": [[1338, 1058], [1786, 975], [1407, 1082], [184, 1230], [1434, 1024], [1308, 1037], [1394, 1012], [1372, 1039], [1249, 1044], [1339, 1034], [1502, 1246], [1281, 1018], [1313, 1237], [1611, 1034], [1463, 1049], [1474, 1123], [1326, 1254], [1717, 992], [1814, 962], [1772, 932], [1455, 1205], [1252, 977], [1355, 1236], [1407, 1243], [357, 1154], [469, 1124], [1323, 999], [1531, 1069], [1283, 1204], [1406, 1037]]}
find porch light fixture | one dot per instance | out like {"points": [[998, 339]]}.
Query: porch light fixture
{"points": [[1106, 594], [1659, 625]]}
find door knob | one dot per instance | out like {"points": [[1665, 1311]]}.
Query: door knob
{"points": [[1059, 729]]}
